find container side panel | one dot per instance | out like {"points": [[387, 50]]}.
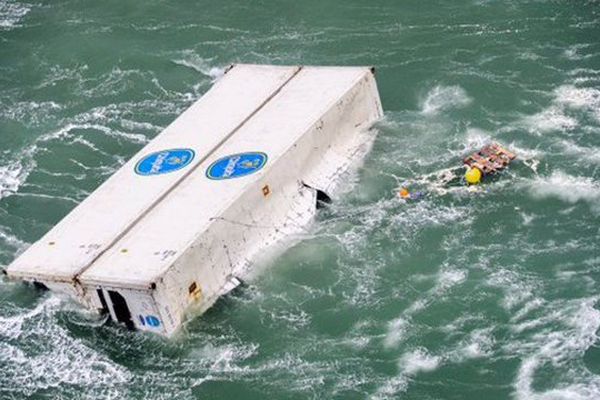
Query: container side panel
{"points": [[256, 225]]}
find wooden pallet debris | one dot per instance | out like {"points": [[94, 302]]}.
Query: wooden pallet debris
{"points": [[490, 159]]}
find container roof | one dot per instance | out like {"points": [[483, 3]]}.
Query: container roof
{"points": [[148, 249]]}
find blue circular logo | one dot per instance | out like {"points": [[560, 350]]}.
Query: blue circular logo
{"points": [[236, 165], [152, 321], [164, 161]]}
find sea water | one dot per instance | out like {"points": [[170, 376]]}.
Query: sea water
{"points": [[465, 294]]}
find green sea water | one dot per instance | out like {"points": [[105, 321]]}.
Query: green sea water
{"points": [[485, 294]]}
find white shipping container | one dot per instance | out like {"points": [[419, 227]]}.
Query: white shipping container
{"points": [[97, 223], [251, 187]]}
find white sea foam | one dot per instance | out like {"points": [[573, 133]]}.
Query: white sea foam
{"points": [[574, 52], [137, 126], [529, 55], [524, 153], [516, 289], [585, 76], [449, 278], [114, 82], [11, 13], [550, 119], [63, 360], [391, 388], [568, 188], [577, 97], [224, 358], [571, 53], [12, 326], [16, 245], [418, 360], [589, 154], [527, 308], [385, 217], [446, 279], [16, 170], [557, 116], [13, 175], [442, 98], [65, 131], [88, 144], [479, 344], [476, 138], [68, 362], [293, 319], [59, 73], [395, 332], [306, 376], [221, 361], [192, 60], [122, 114], [527, 218], [559, 349], [75, 200], [397, 328], [30, 112], [582, 98]]}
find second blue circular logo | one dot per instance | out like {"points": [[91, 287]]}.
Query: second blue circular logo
{"points": [[162, 162], [236, 165]]}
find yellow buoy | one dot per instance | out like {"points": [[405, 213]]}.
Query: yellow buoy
{"points": [[473, 176], [404, 193]]}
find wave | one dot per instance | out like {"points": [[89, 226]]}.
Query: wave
{"points": [[192, 60], [549, 120], [11, 13], [58, 74], [585, 76], [563, 334], [442, 98], [16, 170], [13, 175], [479, 344], [589, 154], [66, 130], [559, 116], [578, 97], [418, 360], [13, 243], [62, 361], [397, 328], [568, 188], [115, 82], [411, 363], [574, 52], [31, 113]]}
